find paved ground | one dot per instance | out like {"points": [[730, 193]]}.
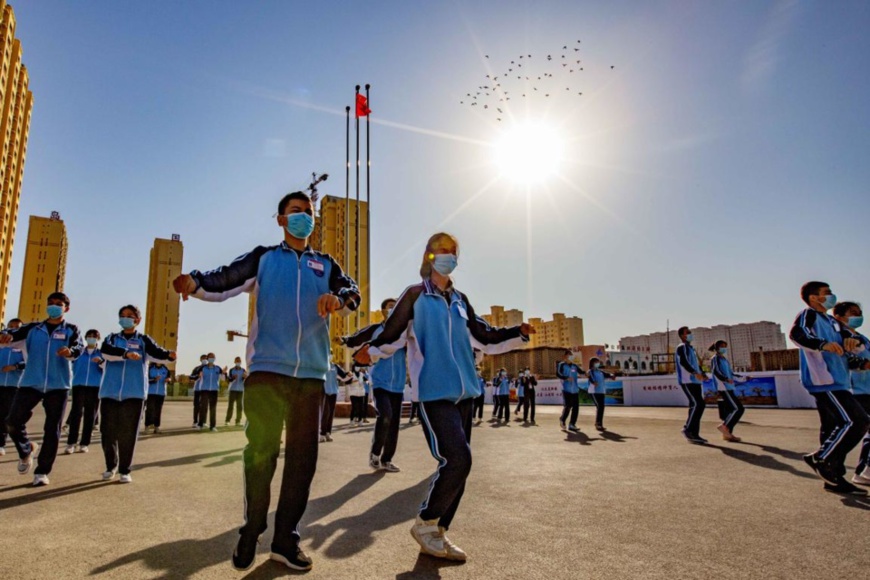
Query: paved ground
{"points": [[635, 502]]}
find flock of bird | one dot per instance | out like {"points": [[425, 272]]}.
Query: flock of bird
{"points": [[526, 77]]}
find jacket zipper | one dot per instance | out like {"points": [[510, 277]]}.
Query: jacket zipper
{"points": [[298, 314]]}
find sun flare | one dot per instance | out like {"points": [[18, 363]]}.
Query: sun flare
{"points": [[529, 153]]}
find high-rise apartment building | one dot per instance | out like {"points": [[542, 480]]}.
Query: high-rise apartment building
{"points": [[161, 310], [561, 332], [16, 104], [742, 340], [330, 237], [44, 265], [498, 316]]}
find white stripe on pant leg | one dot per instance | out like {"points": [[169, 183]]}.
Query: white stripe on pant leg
{"points": [[433, 448], [693, 405], [848, 425], [733, 406]]}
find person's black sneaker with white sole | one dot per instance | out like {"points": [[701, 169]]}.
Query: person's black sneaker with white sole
{"points": [[245, 552], [824, 470], [293, 558], [845, 488]]}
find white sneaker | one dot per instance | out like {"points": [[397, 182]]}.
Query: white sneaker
{"points": [[126, 478], [109, 475], [24, 465], [329, 436], [83, 449], [454, 552], [374, 461], [323, 438], [214, 429], [40, 479], [2, 451], [429, 536], [390, 466], [863, 478], [70, 449]]}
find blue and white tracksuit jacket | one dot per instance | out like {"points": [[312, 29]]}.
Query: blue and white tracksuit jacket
{"points": [[46, 371], [124, 378], [722, 373], [521, 389], [687, 364], [237, 376], [441, 331], [157, 375], [86, 372], [389, 373], [11, 356], [287, 335], [196, 377], [335, 375], [821, 371], [596, 382], [210, 377], [502, 385], [569, 373], [861, 378]]}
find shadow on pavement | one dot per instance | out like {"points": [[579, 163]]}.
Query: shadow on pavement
{"points": [[427, 568], [46, 493], [192, 459], [765, 461], [787, 453], [355, 533], [862, 503], [580, 437], [615, 437], [181, 558]]}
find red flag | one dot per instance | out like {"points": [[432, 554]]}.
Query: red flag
{"points": [[362, 106]]}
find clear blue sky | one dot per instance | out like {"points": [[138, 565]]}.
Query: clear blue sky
{"points": [[722, 163]]}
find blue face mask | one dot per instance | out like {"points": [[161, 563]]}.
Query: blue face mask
{"points": [[126, 322], [856, 321], [723, 351], [444, 264], [211, 361], [595, 365], [830, 301], [54, 311], [300, 225], [690, 337], [91, 341]]}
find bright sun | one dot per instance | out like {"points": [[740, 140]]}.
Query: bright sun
{"points": [[529, 153]]}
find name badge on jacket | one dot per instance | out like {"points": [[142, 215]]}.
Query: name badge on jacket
{"points": [[59, 335], [317, 267], [133, 345]]}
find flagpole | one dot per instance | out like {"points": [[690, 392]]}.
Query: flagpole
{"points": [[357, 276], [368, 195], [346, 321]]}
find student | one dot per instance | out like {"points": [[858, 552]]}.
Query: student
{"points": [[691, 379], [11, 365], [824, 345], [124, 389], [289, 358], [87, 374], [597, 390], [367, 386], [49, 348], [196, 377], [157, 377], [529, 384], [388, 377], [477, 409], [210, 377], [496, 400], [850, 315], [502, 392], [442, 367], [521, 390], [236, 376], [730, 407], [334, 376], [568, 372], [355, 392]]}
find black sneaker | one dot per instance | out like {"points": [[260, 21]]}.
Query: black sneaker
{"points": [[293, 558], [246, 550], [845, 488], [824, 471]]}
